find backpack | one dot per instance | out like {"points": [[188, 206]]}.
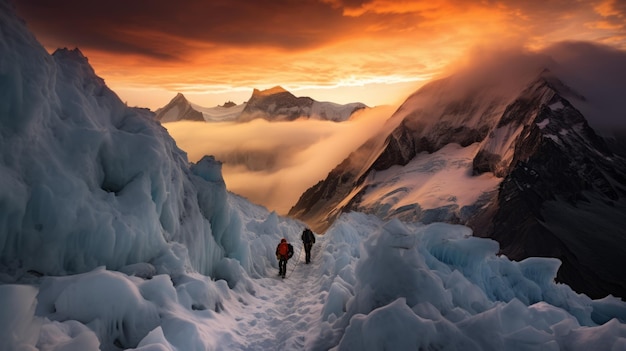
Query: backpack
{"points": [[285, 250]]}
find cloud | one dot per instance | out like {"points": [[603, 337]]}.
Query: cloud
{"points": [[213, 46], [273, 163], [597, 72], [164, 29]]}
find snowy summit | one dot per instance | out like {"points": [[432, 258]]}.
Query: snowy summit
{"points": [[111, 240]]}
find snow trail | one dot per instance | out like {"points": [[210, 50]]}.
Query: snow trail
{"points": [[283, 312]]}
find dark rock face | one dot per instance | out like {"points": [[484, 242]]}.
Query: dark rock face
{"points": [[563, 186], [400, 149], [563, 189], [617, 143]]}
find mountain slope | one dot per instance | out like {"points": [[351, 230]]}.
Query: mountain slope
{"points": [[529, 161], [442, 112], [179, 109], [563, 194]]}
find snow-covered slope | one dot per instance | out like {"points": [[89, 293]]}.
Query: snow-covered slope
{"points": [[89, 182], [431, 187], [526, 161], [451, 110], [277, 104], [180, 109]]}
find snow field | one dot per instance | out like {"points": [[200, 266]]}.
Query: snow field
{"points": [[371, 285], [429, 188]]}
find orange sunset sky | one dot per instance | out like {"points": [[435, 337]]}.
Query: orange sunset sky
{"points": [[376, 52]]}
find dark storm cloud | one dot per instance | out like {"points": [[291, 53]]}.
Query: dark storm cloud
{"points": [[147, 48], [172, 30], [169, 29]]}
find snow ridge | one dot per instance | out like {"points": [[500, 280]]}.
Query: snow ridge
{"points": [[76, 195]]}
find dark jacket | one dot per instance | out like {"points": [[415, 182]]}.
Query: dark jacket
{"points": [[308, 237]]}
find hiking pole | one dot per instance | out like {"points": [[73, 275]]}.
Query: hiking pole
{"points": [[296, 265]]}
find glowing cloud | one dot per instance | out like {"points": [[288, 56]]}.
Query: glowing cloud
{"points": [[273, 163], [207, 47]]}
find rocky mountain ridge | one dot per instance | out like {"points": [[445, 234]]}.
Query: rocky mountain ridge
{"points": [[274, 104], [550, 163]]}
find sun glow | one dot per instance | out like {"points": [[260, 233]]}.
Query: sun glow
{"points": [[344, 52]]}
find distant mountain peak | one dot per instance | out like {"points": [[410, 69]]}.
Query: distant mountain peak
{"points": [[228, 104], [179, 108], [267, 92], [179, 98], [273, 104]]}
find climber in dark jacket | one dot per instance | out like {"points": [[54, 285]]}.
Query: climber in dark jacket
{"points": [[308, 239]]}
